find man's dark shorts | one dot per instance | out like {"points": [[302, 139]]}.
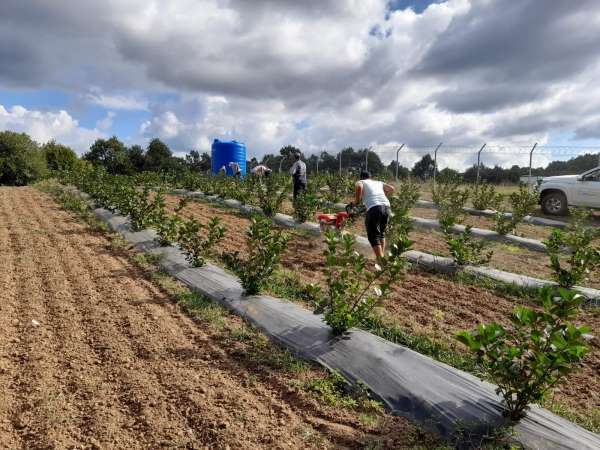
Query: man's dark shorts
{"points": [[376, 223]]}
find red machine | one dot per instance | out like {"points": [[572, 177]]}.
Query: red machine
{"points": [[337, 221], [330, 221]]}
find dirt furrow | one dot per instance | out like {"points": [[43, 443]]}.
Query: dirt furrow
{"points": [[8, 323], [38, 383], [114, 363], [99, 410]]}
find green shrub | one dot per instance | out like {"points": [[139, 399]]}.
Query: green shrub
{"points": [[270, 192], [59, 157], [339, 187], [21, 161], [523, 202], [532, 357], [484, 196], [305, 205], [583, 258], [464, 249], [137, 203], [353, 291], [451, 200], [195, 247], [168, 225], [406, 196], [265, 245]]}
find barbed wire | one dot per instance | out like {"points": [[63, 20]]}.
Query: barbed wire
{"points": [[552, 150]]}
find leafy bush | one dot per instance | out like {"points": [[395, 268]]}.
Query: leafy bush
{"points": [[141, 207], [305, 204], [463, 247], [168, 225], [270, 192], [353, 291], [59, 157], [466, 250], [339, 187], [405, 198], [21, 161], [583, 257], [523, 203], [484, 196], [197, 248], [265, 245], [450, 199], [535, 354]]}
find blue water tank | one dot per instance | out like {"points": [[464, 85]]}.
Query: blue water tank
{"points": [[224, 152]]}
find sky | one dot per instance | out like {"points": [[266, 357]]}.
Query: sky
{"points": [[316, 74]]}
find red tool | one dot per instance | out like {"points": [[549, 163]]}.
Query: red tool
{"points": [[337, 221]]}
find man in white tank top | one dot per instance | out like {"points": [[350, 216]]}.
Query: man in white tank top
{"points": [[374, 194]]}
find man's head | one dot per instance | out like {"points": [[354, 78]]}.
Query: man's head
{"points": [[297, 156], [365, 175]]}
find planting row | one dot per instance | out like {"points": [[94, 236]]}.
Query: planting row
{"points": [[354, 287]]}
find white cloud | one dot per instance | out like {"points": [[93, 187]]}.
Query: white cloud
{"points": [[124, 102], [44, 126], [320, 73], [106, 123]]}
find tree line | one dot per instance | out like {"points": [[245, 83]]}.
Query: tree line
{"points": [[22, 160]]}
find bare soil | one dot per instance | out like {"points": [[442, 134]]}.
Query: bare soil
{"points": [[510, 258], [424, 303], [93, 354]]}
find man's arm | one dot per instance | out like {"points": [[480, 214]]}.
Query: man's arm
{"points": [[388, 189], [358, 192], [293, 168]]}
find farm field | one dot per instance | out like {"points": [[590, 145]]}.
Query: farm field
{"points": [[111, 360], [424, 304], [510, 258]]}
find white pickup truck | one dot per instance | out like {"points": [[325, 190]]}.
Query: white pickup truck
{"points": [[558, 193]]}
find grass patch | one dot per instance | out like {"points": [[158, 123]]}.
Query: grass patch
{"points": [[530, 294], [71, 201], [512, 249], [334, 390], [590, 420]]}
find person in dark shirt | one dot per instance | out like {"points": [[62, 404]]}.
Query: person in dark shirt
{"points": [[298, 171]]}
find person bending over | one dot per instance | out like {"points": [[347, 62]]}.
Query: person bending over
{"points": [[374, 194]]}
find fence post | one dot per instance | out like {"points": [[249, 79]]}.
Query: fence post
{"points": [[397, 155], [531, 162], [435, 161], [340, 155], [479, 163], [367, 158]]}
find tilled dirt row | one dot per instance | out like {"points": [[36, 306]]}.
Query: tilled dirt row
{"points": [[94, 355], [423, 302]]}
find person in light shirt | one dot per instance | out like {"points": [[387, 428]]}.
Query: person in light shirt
{"points": [[235, 168], [261, 170], [374, 195]]}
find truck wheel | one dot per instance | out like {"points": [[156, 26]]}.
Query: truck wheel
{"points": [[555, 204]]}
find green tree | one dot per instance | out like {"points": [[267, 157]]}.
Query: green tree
{"points": [[197, 162], [21, 160], [424, 168], [111, 154], [137, 157], [59, 157], [158, 156]]}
